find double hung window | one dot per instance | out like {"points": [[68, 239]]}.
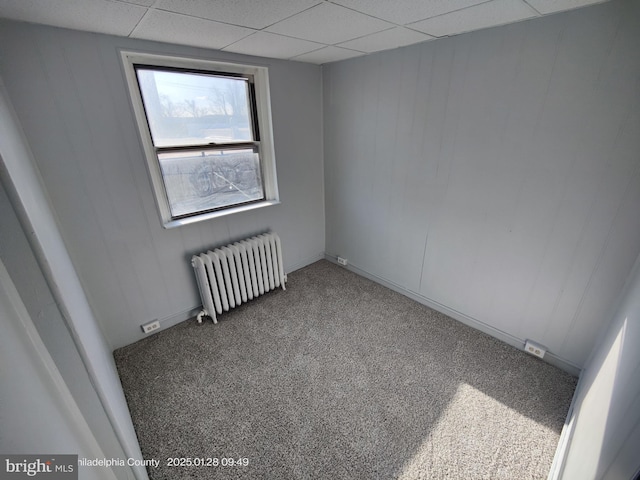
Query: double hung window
{"points": [[206, 131]]}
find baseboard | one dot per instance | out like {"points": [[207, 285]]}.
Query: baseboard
{"points": [[304, 263], [518, 343], [180, 317]]}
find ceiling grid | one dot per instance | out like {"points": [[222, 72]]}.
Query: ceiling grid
{"points": [[315, 31]]}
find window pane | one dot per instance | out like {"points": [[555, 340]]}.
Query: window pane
{"points": [[186, 108], [197, 181]]}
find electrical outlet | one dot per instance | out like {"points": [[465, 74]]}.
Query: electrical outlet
{"points": [[342, 261], [534, 349], [151, 326]]}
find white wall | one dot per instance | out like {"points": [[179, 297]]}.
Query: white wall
{"points": [[69, 92], [38, 414], [45, 314], [495, 173], [606, 417], [55, 297]]}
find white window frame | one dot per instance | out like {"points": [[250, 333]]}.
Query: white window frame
{"points": [[263, 118]]}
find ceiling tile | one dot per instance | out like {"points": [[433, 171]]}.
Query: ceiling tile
{"points": [[248, 13], [266, 44], [489, 14], [114, 18], [387, 39], [146, 3], [326, 55], [406, 11], [330, 24], [551, 6], [184, 30]]}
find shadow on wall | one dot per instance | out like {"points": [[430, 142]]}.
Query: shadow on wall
{"points": [[606, 422]]}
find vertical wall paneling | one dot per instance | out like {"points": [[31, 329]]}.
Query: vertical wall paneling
{"points": [[508, 162], [69, 91], [165, 242]]}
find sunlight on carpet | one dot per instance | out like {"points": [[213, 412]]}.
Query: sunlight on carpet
{"points": [[468, 427]]}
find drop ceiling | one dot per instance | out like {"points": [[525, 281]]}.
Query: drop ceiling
{"points": [[312, 31]]}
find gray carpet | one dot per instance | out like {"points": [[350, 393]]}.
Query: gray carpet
{"points": [[340, 378]]}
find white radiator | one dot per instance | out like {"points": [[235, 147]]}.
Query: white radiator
{"points": [[236, 273]]}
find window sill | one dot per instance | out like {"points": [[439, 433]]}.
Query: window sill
{"points": [[220, 213]]}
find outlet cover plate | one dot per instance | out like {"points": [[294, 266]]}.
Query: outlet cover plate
{"points": [[534, 349], [151, 326]]}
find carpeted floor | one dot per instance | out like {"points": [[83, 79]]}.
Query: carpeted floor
{"points": [[340, 378]]}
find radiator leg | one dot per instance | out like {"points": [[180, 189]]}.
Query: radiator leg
{"points": [[200, 315]]}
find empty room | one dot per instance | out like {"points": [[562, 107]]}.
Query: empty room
{"points": [[320, 239]]}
